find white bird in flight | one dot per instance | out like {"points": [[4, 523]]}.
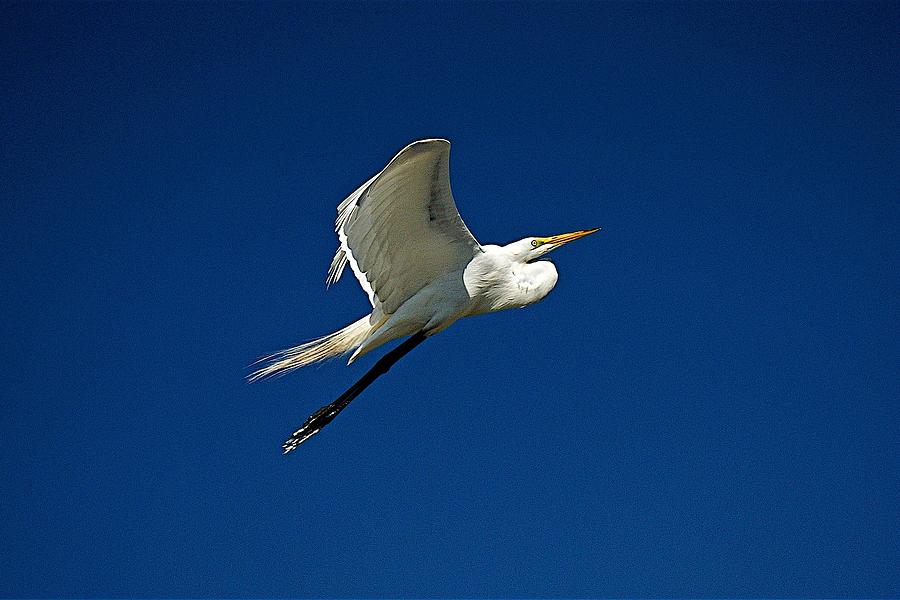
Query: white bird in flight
{"points": [[422, 269]]}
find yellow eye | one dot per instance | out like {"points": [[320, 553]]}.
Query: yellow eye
{"points": [[535, 243]]}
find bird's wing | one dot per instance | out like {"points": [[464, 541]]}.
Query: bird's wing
{"points": [[401, 229]]}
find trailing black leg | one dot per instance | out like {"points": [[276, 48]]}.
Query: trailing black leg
{"points": [[327, 413]]}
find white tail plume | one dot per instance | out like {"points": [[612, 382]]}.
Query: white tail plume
{"points": [[334, 344]]}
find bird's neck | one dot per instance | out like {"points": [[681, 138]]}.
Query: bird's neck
{"points": [[533, 280], [496, 282]]}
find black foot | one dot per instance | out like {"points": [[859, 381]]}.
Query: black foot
{"points": [[315, 423]]}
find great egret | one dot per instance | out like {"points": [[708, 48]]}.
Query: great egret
{"points": [[421, 267]]}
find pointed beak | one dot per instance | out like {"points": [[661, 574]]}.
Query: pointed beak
{"points": [[559, 240]]}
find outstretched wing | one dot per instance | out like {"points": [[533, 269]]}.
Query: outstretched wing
{"points": [[401, 229]]}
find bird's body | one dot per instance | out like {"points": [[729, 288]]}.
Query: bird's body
{"points": [[422, 269]]}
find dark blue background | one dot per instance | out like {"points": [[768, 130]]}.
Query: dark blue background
{"points": [[707, 404]]}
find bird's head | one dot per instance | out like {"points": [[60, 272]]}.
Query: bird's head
{"points": [[532, 248]]}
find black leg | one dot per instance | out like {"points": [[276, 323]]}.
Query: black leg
{"points": [[327, 413]]}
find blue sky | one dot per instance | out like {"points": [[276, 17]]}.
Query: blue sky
{"points": [[706, 405]]}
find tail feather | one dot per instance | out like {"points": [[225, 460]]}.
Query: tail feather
{"points": [[334, 344]]}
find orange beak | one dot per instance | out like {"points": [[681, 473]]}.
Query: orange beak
{"points": [[567, 237]]}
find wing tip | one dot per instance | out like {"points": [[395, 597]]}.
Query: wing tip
{"points": [[425, 142]]}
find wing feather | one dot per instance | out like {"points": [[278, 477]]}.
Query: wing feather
{"points": [[401, 230]]}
